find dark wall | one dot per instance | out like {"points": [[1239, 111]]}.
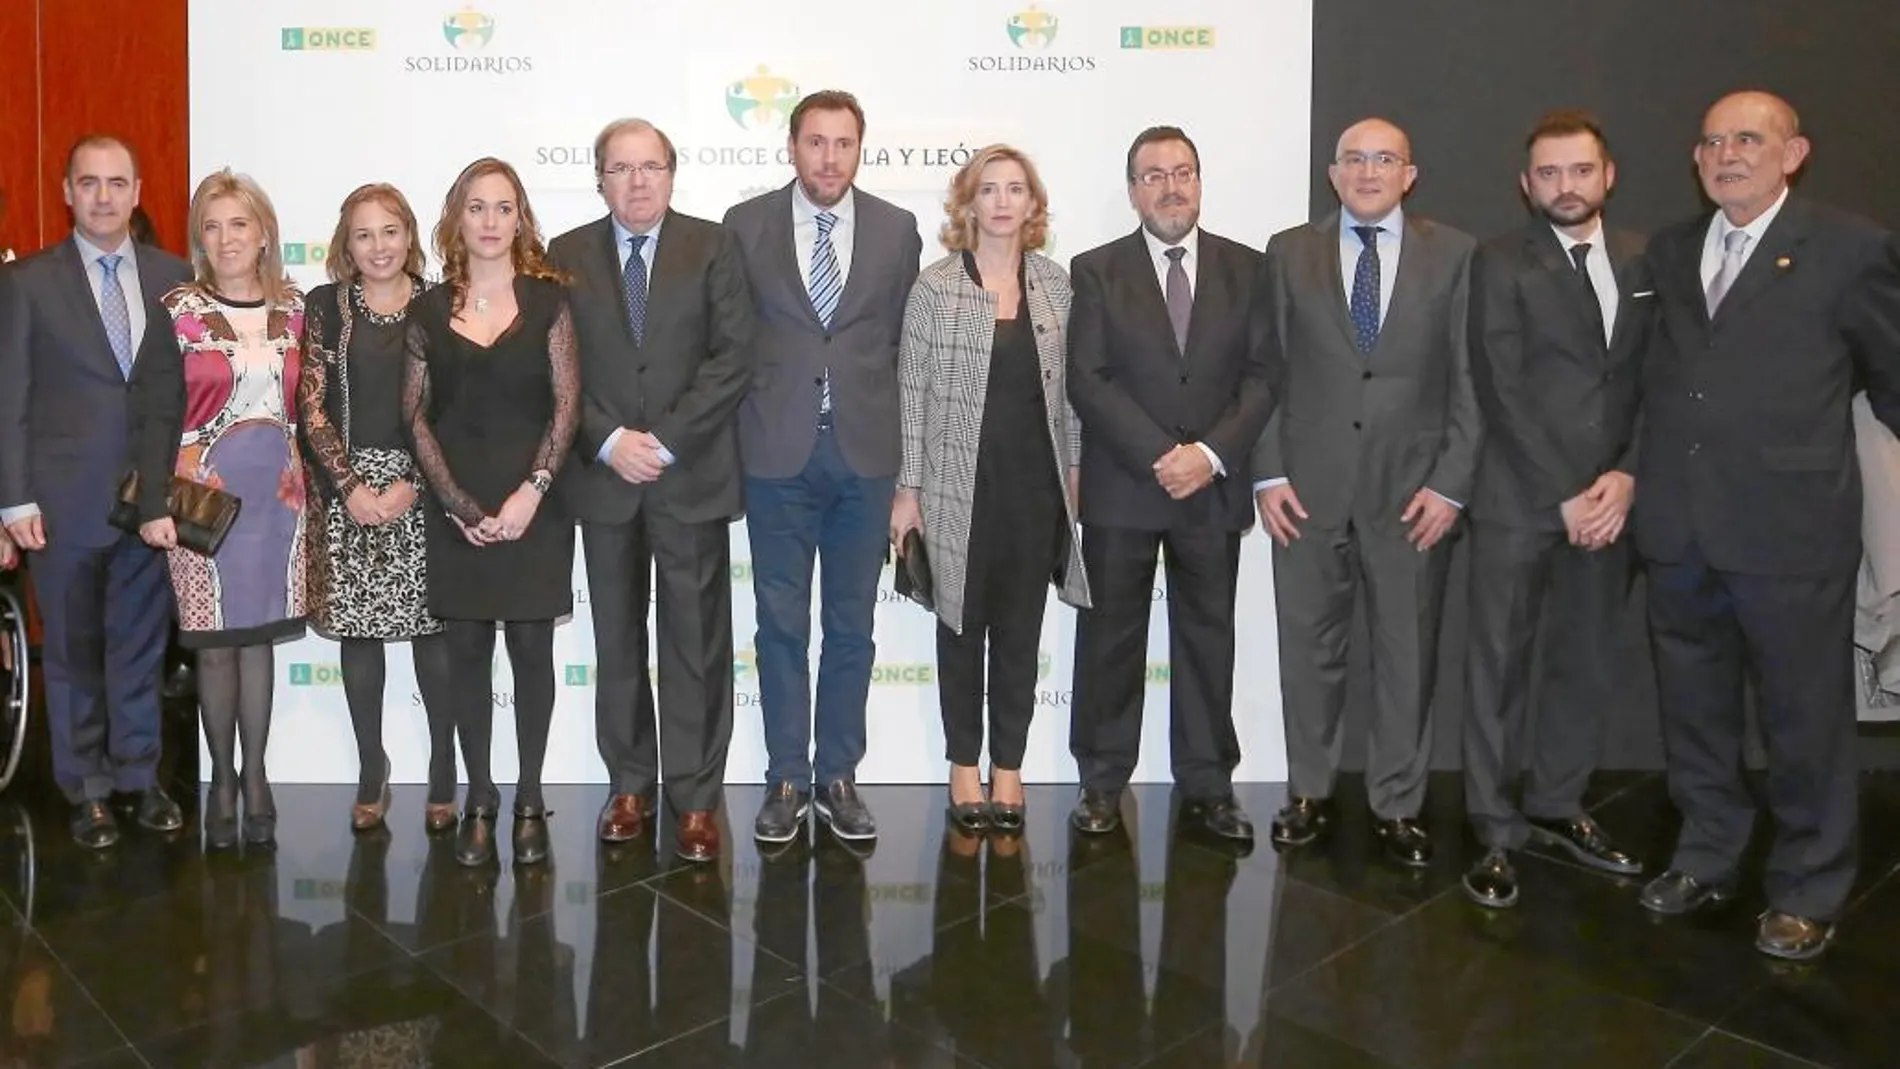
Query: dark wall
{"points": [[1467, 79]]}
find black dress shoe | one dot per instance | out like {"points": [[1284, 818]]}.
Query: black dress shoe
{"points": [[1097, 812], [1220, 817], [475, 838], [158, 812], [260, 821], [1792, 938], [1405, 841], [531, 833], [93, 826], [1007, 818], [782, 814], [1299, 821], [1675, 893], [1492, 882], [970, 818], [1581, 838], [845, 813], [221, 815]]}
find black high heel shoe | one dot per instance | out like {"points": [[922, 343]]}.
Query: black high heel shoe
{"points": [[970, 818], [260, 821], [221, 815], [475, 839], [531, 833], [1006, 817]]}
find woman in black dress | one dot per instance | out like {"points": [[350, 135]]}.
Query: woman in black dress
{"points": [[369, 577], [492, 397], [990, 448]]}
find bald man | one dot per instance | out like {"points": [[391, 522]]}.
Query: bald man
{"points": [[1773, 311], [1361, 474]]}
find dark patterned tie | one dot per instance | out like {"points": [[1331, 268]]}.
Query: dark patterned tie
{"points": [[1180, 297], [633, 287], [1365, 289], [1580, 255]]}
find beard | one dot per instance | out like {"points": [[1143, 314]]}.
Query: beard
{"points": [[1570, 211], [1170, 229]]}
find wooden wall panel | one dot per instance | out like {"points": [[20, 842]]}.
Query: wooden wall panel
{"points": [[19, 124]]}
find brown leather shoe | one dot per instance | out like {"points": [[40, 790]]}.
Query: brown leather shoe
{"points": [[623, 818], [698, 836], [1791, 937]]}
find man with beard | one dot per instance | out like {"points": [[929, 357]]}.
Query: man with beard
{"points": [[1169, 377], [1560, 311], [1372, 453], [831, 268]]}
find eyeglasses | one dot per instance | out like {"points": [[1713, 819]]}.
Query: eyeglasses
{"points": [[1371, 161], [1181, 176], [651, 170]]}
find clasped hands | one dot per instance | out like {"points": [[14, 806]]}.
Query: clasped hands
{"points": [[506, 525], [373, 508], [1595, 518], [636, 457], [1184, 471]]}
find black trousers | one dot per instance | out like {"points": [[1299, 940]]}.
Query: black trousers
{"points": [[1011, 637], [1798, 632], [1111, 653], [1519, 576]]}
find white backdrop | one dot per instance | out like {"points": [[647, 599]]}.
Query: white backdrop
{"points": [[315, 98]]}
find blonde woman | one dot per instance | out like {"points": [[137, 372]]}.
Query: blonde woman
{"points": [[222, 410], [990, 450]]}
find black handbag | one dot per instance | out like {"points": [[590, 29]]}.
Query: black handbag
{"points": [[913, 572], [202, 514]]}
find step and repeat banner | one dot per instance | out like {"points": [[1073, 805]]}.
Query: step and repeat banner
{"points": [[315, 98]]}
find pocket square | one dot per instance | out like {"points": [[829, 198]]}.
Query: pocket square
{"points": [[1639, 294]]}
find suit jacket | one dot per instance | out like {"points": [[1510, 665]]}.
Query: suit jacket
{"points": [[1139, 395], [682, 383], [1748, 450], [1559, 404], [1372, 427], [778, 423], [949, 338], [65, 410]]}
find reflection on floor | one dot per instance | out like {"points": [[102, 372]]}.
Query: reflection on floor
{"points": [[1138, 949]]}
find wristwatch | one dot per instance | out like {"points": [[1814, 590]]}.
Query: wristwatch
{"points": [[541, 480]]}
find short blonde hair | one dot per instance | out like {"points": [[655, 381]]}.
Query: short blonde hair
{"points": [[959, 225], [245, 190], [340, 265]]}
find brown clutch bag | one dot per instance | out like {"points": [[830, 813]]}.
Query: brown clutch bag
{"points": [[202, 514]]}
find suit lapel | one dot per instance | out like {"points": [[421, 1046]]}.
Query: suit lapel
{"points": [[1409, 281], [1550, 255], [1150, 302], [1626, 251], [1211, 295], [779, 236], [1769, 262], [1327, 266], [605, 252], [78, 290], [864, 266], [670, 259]]}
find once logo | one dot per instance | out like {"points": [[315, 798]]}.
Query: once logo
{"points": [[303, 674], [579, 675], [915, 675], [1032, 29], [1166, 37], [761, 100], [327, 39], [305, 254], [468, 30]]}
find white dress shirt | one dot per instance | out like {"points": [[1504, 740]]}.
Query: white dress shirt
{"points": [[805, 232], [1719, 228], [1602, 273], [623, 245], [1191, 264]]}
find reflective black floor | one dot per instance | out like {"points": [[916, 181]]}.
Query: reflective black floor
{"points": [[1139, 949]]}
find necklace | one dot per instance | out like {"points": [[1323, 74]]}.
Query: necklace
{"points": [[481, 305]]}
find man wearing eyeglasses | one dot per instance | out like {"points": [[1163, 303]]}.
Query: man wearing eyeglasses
{"points": [[664, 319], [1370, 456], [1169, 379]]}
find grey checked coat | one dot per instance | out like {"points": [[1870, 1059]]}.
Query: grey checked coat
{"points": [[944, 375]]}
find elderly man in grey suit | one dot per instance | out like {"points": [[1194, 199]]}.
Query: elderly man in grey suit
{"points": [[77, 322], [1370, 455], [830, 268]]}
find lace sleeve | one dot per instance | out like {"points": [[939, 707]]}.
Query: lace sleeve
{"points": [[415, 412], [313, 384], [564, 369]]}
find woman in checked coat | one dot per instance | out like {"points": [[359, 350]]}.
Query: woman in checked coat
{"points": [[990, 449]]}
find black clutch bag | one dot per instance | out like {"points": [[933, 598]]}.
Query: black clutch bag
{"points": [[202, 514], [913, 572]]}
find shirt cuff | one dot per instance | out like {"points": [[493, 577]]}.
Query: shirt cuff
{"points": [[666, 455], [19, 512], [1267, 484], [607, 447], [1213, 458], [1454, 504]]}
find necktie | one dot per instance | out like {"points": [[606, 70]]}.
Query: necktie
{"points": [[1734, 243], [1180, 297], [1580, 254], [1365, 289], [827, 285], [115, 314], [633, 288]]}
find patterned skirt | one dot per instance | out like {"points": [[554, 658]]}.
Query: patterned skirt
{"points": [[373, 582]]}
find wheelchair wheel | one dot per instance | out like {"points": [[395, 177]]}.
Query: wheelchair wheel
{"points": [[15, 683]]}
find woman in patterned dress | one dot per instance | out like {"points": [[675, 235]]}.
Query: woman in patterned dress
{"points": [[368, 568], [224, 413]]}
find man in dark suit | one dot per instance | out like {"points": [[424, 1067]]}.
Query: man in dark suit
{"points": [[1560, 312], [1371, 454], [1770, 310], [664, 322], [831, 268], [77, 321], [1169, 378]]}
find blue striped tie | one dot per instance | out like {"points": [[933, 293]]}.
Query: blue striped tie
{"points": [[827, 285], [115, 313]]}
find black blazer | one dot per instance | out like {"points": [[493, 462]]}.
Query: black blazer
{"points": [[683, 383], [65, 408], [1748, 440], [1559, 405], [1138, 395]]}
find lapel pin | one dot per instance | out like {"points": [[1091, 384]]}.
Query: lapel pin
{"points": [[1784, 263]]}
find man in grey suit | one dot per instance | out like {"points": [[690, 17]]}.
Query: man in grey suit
{"points": [[77, 321], [1361, 474], [830, 268]]}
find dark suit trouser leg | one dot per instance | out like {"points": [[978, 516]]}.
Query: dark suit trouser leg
{"points": [[619, 569], [1314, 579], [1111, 654], [1203, 569], [1405, 597], [138, 629], [1588, 591], [694, 569], [1510, 569]]}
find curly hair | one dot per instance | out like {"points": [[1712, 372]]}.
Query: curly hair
{"points": [[528, 252], [340, 265], [959, 224]]}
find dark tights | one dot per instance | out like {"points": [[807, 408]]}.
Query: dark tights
{"points": [[531, 655], [363, 672], [234, 696]]}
